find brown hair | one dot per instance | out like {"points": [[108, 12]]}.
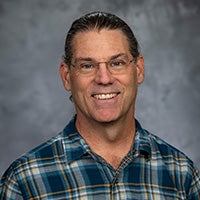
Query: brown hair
{"points": [[99, 21]]}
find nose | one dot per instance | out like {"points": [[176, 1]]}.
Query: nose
{"points": [[103, 76]]}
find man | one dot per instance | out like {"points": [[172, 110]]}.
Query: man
{"points": [[103, 153]]}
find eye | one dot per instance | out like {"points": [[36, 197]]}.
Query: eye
{"points": [[86, 66], [117, 63]]}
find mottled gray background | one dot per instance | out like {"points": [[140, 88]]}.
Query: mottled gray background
{"points": [[33, 104]]}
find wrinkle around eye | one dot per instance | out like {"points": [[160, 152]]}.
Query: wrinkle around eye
{"points": [[86, 66]]}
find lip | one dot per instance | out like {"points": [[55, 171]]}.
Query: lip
{"points": [[105, 96]]}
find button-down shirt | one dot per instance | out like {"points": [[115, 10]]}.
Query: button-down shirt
{"points": [[65, 168]]}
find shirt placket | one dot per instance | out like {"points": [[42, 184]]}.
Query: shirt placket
{"points": [[114, 190]]}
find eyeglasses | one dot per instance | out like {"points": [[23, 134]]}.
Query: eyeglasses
{"points": [[114, 66]]}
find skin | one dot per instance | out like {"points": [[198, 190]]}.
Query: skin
{"points": [[101, 122]]}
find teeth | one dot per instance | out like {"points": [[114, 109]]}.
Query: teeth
{"points": [[105, 96]]}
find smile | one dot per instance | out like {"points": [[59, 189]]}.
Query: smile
{"points": [[105, 96]]}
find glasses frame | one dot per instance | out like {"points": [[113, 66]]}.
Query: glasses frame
{"points": [[97, 66]]}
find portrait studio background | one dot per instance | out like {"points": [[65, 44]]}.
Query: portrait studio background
{"points": [[33, 103]]}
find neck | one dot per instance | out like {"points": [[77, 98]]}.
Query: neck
{"points": [[112, 141]]}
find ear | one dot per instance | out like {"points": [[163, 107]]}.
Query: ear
{"points": [[65, 75], [140, 69]]}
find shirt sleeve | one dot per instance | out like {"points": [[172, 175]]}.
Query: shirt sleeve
{"points": [[9, 188], [194, 192]]}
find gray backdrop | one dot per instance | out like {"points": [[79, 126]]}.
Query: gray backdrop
{"points": [[33, 104]]}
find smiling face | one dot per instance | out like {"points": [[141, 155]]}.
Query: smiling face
{"points": [[102, 96]]}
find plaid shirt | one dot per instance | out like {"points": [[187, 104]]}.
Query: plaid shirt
{"points": [[65, 168]]}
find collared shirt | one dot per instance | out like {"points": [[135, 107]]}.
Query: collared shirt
{"points": [[65, 168]]}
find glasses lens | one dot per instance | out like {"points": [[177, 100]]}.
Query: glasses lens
{"points": [[118, 65], [115, 66]]}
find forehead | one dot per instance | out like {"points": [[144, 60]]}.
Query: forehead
{"points": [[99, 44]]}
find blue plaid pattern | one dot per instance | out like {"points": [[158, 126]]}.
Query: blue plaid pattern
{"points": [[65, 168]]}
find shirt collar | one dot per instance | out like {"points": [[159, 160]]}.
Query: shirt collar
{"points": [[75, 146], [142, 143]]}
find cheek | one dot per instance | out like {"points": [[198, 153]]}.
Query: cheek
{"points": [[79, 86], [130, 85], [129, 80]]}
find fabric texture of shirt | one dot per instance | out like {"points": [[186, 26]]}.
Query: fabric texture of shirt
{"points": [[65, 168]]}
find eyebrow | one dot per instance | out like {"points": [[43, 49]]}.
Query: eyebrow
{"points": [[91, 59], [118, 55]]}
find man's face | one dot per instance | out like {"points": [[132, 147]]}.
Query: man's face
{"points": [[102, 96]]}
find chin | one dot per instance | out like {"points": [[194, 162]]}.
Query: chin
{"points": [[105, 118]]}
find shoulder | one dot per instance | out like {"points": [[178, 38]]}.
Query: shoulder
{"points": [[160, 149], [170, 164], [164, 154], [177, 164], [30, 166], [172, 159], [47, 152], [167, 151]]}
